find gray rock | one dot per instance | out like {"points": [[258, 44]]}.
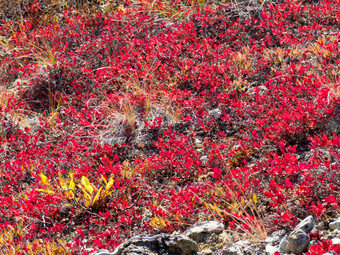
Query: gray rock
{"points": [[241, 248], [312, 243], [206, 252], [232, 250], [17, 85], [113, 140], [102, 252], [204, 159], [270, 249], [181, 244], [276, 236], [298, 240], [333, 125], [273, 241], [198, 143], [335, 241], [216, 113], [283, 245], [214, 240], [262, 90], [199, 232], [157, 245], [335, 224], [306, 225]]}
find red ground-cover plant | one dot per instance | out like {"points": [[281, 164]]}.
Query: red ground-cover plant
{"points": [[149, 117]]}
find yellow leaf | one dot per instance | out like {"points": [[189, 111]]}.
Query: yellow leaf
{"points": [[162, 222], [126, 164], [54, 246], [85, 181], [103, 178], [255, 198], [17, 248], [90, 188], [62, 183], [70, 193], [48, 247], [205, 205], [155, 221], [96, 197], [46, 191], [86, 194], [71, 185], [121, 7], [242, 202], [108, 185], [107, 194], [44, 179], [219, 211]]}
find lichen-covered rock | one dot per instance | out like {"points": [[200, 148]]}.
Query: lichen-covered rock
{"points": [[298, 240], [274, 240], [202, 230], [204, 159], [335, 224], [216, 113], [102, 252], [336, 241], [214, 240], [271, 249], [306, 225], [156, 245], [180, 244], [242, 248], [232, 250]]}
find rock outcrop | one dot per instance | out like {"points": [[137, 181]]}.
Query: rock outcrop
{"points": [[211, 238], [155, 245], [298, 240]]}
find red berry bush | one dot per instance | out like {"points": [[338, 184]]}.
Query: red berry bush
{"points": [[148, 116]]}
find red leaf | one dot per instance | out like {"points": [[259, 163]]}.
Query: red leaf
{"points": [[288, 184]]}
